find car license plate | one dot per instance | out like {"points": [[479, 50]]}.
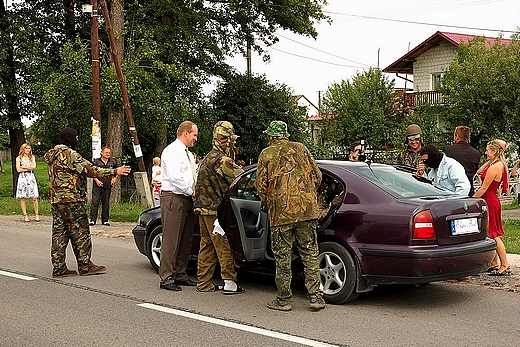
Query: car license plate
{"points": [[464, 226]]}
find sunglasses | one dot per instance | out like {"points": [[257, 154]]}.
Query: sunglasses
{"points": [[414, 137]]}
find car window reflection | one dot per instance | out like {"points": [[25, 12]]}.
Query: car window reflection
{"points": [[245, 188]]}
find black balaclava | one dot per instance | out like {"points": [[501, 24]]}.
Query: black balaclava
{"points": [[434, 156], [69, 137]]}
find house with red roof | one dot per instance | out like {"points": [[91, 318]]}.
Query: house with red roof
{"points": [[425, 65]]}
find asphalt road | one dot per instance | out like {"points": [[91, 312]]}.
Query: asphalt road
{"points": [[125, 306]]}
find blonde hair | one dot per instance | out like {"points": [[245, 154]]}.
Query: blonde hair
{"points": [[499, 146], [22, 150], [156, 161]]}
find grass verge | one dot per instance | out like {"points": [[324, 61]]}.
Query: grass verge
{"points": [[122, 212]]}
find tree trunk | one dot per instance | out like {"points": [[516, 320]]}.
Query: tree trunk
{"points": [[70, 19], [115, 143], [8, 81], [161, 136], [116, 116]]}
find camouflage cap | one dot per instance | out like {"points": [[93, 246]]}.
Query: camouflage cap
{"points": [[225, 129], [277, 128]]}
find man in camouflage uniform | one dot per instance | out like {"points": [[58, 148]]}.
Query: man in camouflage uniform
{"points": [[216, 172], [287, 180], [69, 214], [413, 143]]}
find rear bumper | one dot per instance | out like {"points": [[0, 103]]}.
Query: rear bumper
{"points": [[421, 252], [423, 264]]}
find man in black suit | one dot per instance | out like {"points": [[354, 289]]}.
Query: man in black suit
{"points": [[462, 152]]}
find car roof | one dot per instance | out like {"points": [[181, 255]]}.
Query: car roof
{"points": [[346, 163]]}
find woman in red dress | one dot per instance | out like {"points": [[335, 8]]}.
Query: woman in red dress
{"points": [[492, 173]]}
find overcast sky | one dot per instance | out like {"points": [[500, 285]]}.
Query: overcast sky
{"points": [[375, 33]]}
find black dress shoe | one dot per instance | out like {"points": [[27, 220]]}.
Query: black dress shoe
{"points": [[171, 286], [187, 282]]}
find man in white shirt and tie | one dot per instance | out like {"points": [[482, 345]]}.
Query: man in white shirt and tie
{"points": [[178, 178]]}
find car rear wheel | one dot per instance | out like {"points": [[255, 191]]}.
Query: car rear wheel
{"points": [[337, 273], [154, 247]]}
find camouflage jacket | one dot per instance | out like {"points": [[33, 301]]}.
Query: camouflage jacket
{"points": [[216, 172], [66, 169], [409, 157], [287, 180]]}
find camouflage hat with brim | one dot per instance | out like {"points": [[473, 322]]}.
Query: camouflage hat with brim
{"points": [[277, 128]]}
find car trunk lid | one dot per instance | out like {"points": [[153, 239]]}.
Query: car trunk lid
{"points": [[457, 220]]}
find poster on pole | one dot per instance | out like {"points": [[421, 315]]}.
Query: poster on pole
{"points": [[96, 139], [137, 151]]}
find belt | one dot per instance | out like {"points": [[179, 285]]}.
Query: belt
{"points": [[169, 192]]}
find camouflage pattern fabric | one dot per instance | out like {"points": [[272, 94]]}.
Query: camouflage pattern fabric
{"points": [[277, 128], [287, 180], [66, 168], [216, 172], [213, 248], [224, 136], [409, 157], [69, 222], [306, 240]]}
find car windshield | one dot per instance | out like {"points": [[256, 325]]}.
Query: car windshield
{"points": [[398, 183]]}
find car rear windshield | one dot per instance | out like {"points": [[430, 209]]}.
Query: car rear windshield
{"points": [[399, 183]]}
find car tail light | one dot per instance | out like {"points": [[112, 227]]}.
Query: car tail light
{"points": [[423, 226]]}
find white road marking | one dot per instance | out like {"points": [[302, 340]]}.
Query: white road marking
{"points": [[243, 327], [21, 277]]}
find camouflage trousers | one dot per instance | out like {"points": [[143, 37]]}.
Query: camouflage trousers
{"points": [[304, 233], [70, 222], [213, 248]]}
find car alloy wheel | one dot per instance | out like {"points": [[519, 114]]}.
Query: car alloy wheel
{"points": [[154, 247], [337, 273]]}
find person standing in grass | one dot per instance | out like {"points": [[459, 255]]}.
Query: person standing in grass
{"points": [[27, 188]]}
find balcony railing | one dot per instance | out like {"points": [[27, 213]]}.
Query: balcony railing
{"points": [[412, 100]]}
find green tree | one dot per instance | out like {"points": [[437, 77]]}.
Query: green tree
{"points": [[482, 87], [9, 95], [250, 103], [364, 107], [171, 48]]}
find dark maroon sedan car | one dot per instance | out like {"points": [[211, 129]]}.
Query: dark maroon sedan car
{"points": [[379, 225]]}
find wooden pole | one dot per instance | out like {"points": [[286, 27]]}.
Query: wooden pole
{"points": [[96, 94], [126, 102], [96, 98]]}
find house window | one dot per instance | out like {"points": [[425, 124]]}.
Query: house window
{"points": [[436, 80]]}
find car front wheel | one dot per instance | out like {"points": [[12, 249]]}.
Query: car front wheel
{"points": [[337, 273], [154, 247]]}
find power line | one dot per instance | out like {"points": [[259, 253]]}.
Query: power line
{"points": [[417, 23], [317, 60], [319, 50]]}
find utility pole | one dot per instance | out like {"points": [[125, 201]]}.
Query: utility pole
{"points": [[141, 179], [126, 101], [248, 58], [96, 94]]}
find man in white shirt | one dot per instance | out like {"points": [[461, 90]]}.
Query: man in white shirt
{"points": [[178, 177]]}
